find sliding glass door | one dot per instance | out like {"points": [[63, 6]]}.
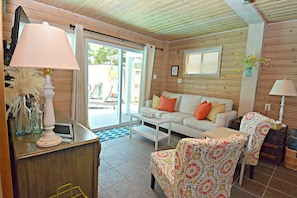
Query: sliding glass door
{"points": [[114, 75]]}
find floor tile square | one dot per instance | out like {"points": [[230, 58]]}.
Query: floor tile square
{"points": [[124, 172], [123, 189], [110, 178], [129, 169]]}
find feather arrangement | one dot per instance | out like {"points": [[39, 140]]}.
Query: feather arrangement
{"points": [[23, 82]]}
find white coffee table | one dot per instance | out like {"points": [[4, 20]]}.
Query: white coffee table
{"points": [[153, 134]]}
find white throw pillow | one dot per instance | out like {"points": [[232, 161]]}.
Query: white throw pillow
{"points": [[189, 103]]}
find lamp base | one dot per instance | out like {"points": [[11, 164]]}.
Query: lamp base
{"points": [[49, 139]]}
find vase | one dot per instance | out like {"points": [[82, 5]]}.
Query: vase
{"points": [[36, 119], [248, 71], [23, 119]]}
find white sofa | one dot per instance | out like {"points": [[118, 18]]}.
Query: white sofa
{"points": [[183, 120]]}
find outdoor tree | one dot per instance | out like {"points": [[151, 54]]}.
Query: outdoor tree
{"points": [[99, 54]]}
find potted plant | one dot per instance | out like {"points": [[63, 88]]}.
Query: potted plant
{"points": [[251, 61]]}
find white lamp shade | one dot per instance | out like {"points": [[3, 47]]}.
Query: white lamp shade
{"points": [[43, 46], [283, 88]]}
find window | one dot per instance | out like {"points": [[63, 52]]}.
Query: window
{"points": [[203, 62], [71, 39]]}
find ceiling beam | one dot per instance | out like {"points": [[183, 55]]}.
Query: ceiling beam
{"points": [[254, 45], [246, 11]]}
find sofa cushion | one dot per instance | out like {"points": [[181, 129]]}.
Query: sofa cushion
{"points": [[158, 113], [167, 104], [202, 110], [176, 117], [228, 102], [173, 95], [155, 102], [203, 125], [215, 109], [189, 103]]}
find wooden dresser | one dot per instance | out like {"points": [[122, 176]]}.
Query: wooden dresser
{"points": [[37, 172], [273, 148]]}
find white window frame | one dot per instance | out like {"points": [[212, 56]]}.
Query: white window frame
{"points": [[193, 71]]}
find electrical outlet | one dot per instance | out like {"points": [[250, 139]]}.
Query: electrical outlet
{"points": [[267, 107]]}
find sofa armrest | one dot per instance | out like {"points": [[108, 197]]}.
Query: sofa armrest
{"points": [[224, 119], [148, 103]]}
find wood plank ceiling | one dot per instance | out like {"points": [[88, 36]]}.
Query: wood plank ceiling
{"points": [[170, 20]]}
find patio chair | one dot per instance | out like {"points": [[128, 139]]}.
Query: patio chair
{"points": [[197, 167], [110, 99]]}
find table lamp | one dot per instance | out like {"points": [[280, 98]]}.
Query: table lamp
{"points": [[47, 47], [283, 88]]}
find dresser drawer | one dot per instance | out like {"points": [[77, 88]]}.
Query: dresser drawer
{"points": [[277, 137], [271, 149], [271, 158], [276, 140]]}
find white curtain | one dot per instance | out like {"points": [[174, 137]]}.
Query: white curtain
{"points": [[79, 106], [147, 72]]}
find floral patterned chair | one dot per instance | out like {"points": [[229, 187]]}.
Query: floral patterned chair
{"points": [[197, 167], [257, 126]]}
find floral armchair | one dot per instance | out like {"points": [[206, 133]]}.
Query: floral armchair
{"points": [[197, 167], [257, 126]]}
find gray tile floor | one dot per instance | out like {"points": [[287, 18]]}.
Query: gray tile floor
{"points": [[124, 173]]}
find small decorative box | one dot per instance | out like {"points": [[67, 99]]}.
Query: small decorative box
{"points": [[148, 114], [276, 126]]}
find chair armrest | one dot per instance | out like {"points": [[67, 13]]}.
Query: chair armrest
{"points": [[224, 119], [148, 103]]}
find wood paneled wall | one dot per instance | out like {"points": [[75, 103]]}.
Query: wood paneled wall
{"points": [[228, 84], [160, 62], [6, 189], [280, 44], [62, 80]]}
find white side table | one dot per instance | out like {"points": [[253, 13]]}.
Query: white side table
{"points": [[222, 132]]}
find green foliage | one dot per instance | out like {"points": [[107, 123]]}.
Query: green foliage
{"points": [[250, 61], [99, 54], [138, 65]]}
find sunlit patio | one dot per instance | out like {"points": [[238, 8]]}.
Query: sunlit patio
{"points": [[101, 117]]}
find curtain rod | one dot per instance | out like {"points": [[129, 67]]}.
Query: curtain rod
{"points": [[73, 27]]}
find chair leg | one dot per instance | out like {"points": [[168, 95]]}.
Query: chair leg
{"points": [[252, 172], [153, 181], [241, 172]]}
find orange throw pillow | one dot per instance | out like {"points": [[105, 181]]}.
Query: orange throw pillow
{"points": [[167, 104], [202, 110]]}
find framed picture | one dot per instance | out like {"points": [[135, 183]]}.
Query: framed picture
{"points": [[64, 129], [174, 70]]}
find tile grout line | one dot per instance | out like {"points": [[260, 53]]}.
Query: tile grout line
{"points": [[247, 191], [269, 181]]}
